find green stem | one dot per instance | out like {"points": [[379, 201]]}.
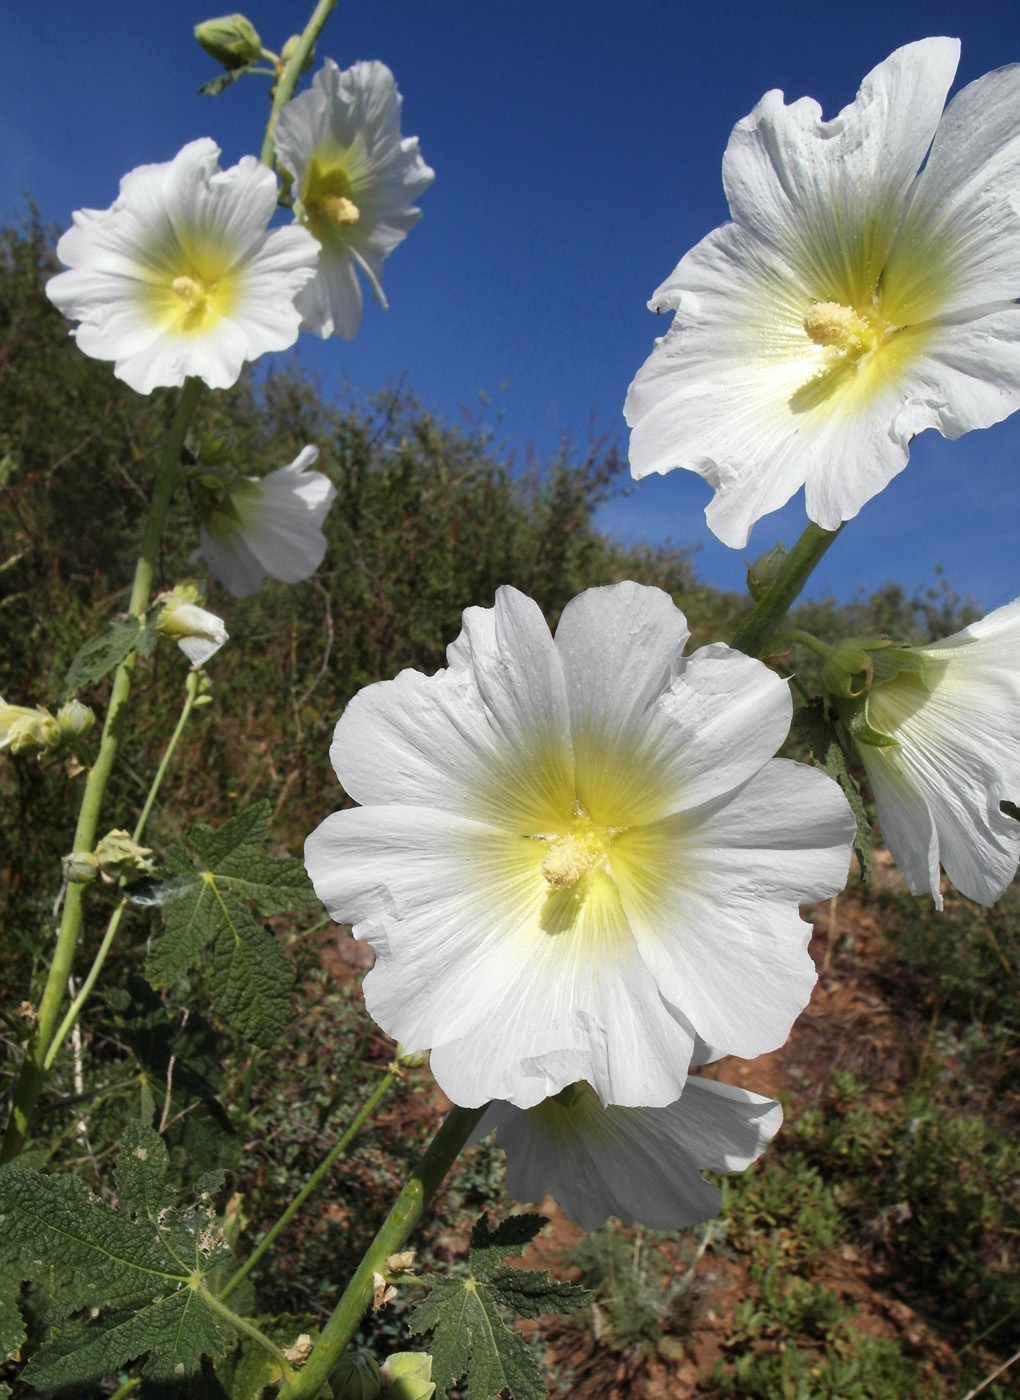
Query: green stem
{"points": [[33, 1069], [765, 617], [324, 1167], [801, 638], [249, 1330], [74, 1010], [132, 1383], [440, 1156], [289, 77]]}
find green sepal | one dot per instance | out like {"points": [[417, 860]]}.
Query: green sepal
{"points": [[854, 716]]}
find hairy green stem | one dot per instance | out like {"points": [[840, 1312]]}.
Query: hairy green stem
{"points": [[407, 1210], [33, 1069], [757, 629], [288, 79], [799, 637], [248, 1329], [328, 1162], [74, 1010]]}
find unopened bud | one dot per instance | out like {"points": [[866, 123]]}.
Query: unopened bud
{"points": [[407, 1375], [80, 868], [287, 52], [232, 40], [217, 449], [763, 571], [27, 731], [118, 855], [74, 720], [410, 1059], [356, 1377]]}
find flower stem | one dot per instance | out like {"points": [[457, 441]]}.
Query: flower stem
{"points": [[289, 77], [764, 619], [407, 1210], [74, 1010], [328, 1162], [248, 1329], [801, 638], [33, 1069]]}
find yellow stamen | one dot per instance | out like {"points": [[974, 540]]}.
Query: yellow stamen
{"points": [[842, 329], [341, 210], [582, 848]]}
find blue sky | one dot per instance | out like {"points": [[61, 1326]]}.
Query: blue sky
{"points": [[577, 148]]}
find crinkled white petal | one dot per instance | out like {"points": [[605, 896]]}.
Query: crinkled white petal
{"points": [[538, 922], [184, 221], [350, 121], [639, 1164], [834, 213], [937, 791]]}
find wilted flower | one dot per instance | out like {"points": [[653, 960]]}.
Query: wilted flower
{"points": [[641, 1164], [356, 179], [180, 276], [576, 857], [953, 712], [198, 633], [851, 303], [270, 525]]}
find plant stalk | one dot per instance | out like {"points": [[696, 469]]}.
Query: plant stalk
{"points": [[33, 1069], [407, 1210], [757, 629], [288, 79], [325, 1166]]}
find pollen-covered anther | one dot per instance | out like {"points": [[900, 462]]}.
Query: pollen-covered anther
{"points": [[840, 328], [341, 210], [193, 291], [583, 848]]}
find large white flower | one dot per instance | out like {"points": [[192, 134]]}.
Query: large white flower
{"points": [[180, 277], [957, 756], [272, 526], [356, 179], [851, 303], [576, 856], [640, 1164]]}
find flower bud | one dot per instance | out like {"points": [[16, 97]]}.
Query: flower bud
{"points": [[74, 720], [407, 1375], [413, 1059], [198, 633], [27, 731], [118, 855], [80, 868], [232, 40], [356, 1377], [763, 571], [288, 50]]}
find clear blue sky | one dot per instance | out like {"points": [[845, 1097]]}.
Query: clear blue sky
{"points": [[577, 148]]}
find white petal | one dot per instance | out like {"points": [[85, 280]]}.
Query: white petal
{"points": [[636, 1163], [231, 563]]}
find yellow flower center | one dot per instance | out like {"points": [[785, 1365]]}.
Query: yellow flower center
{"points": [[341, 209], [195, 295], [584, 846], [191, 283], [843, 329], [327, 193]]}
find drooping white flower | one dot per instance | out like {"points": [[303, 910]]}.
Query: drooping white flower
{"points": [[851, 302], [180, 276], [640, 1164], [271, 527], [356, 179], [937, 790], [575, 857], [197, 632]]}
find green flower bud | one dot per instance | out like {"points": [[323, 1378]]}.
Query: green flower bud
{"points": [[232, 40], [414, 1059], [118, 855], [80, 868], [851, 672], [407, 1375], [217, 449], [356, 1377], [74, 720], [287, 52], [27, 731], [761, 573]]}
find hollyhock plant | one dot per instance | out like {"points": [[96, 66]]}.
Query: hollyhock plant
{"points": [[954, 719], [198, 633], [180, 277], [639, 1164], [851, 302], [268, 526], [577, 859], [356, 179]]}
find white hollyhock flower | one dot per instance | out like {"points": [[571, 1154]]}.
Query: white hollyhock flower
{"points": [[575, 856], [271, 527], [851, 303], [198, 633], [180, 277], [356, 179], [957, 756], [641, 1164]]}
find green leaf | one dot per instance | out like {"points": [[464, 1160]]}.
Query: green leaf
{"points": [[213, 876], [469, 1335], [12, 1328], [219, 84], [101, 655], [146, 1261], [812, 724]]}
